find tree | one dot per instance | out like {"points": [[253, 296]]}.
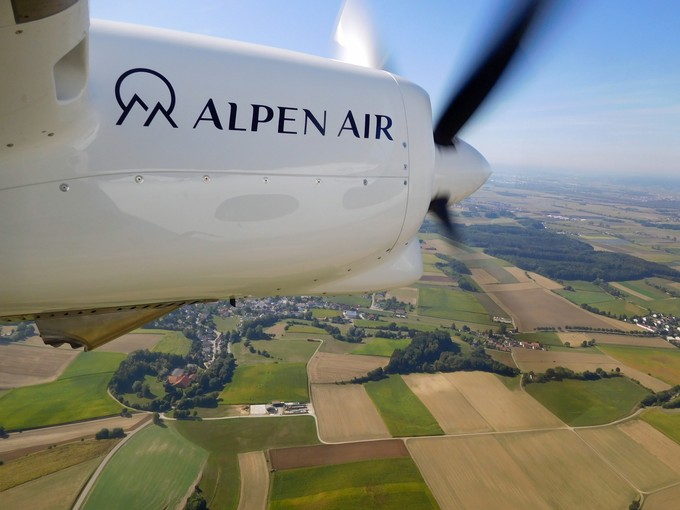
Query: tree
{"points": [[103, 434], [3, 432], [157, 420]]}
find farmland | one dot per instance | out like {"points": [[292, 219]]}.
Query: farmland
{"points": [[140, 339], [403, 413], [254, 480], [23, 365], [258, 384], [663, 364], [381, 346], [78, 394], [453, 305], [326, 367], [580, 403], [157, 467], [667, 422], [383, 483]]}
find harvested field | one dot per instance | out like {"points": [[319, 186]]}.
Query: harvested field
{"points": [[433, 278], [663, 500], [446, 403], [580, 361], [532, 307], [327, 367], [327, 454], [405, 294], [575, 340], [254, 481], [482, 277], [132, 342], [544, 282], [24, 365], [33, 440], [640, 453], [519, 274], [466, 402], [346, 413], [537, 470]]}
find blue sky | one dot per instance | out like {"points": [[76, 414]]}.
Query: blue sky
{"points": [[596, 89]]}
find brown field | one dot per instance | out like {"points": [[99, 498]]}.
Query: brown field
{"points": [[641, 454], [467, 402], [132, 342], [482, 277], [433, 278], [544, 282], [24, 365], [325, 367], [519, 274], [663, 500], [346, 413], [405, 294], [254, 481], [580, 361], [537, 470], [18, 444], [502, 357], [327, 454], [532, 306], [575, 340]]}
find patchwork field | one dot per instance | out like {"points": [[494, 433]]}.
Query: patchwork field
{"points": [[78, 394], [641, 454], [327, 367], [346, 413], [259, 384], [456, 305], [328, 454], [467, 402], [663, 500], [158, 468], [254, 481], [384, 483], [581, 360], [663, 364], [666, 421], [23, 365], [537, 470]]}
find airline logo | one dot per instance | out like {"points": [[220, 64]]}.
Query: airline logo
{"points": [[160, 99]]}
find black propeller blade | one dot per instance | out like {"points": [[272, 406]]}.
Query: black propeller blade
{"points": [[475, 90]]}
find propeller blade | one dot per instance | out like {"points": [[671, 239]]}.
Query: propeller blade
{"points": [[480, 82], [439, 207], [356, 39]]}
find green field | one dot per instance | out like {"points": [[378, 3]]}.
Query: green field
{"points": [[366, 324], [663, 364], [385, 484], [259, 384], [225, 324], [381, 346], [542, 337], [289, 348], [157, 390], [320, 313], [454, 305], [225, 439], [355, 300], [155, 469], [667, 422], [80, 393], [173, 342], [403, 412], [305, 329], [583, 403]]}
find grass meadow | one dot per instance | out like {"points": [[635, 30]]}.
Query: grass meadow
{"points": [[173, 342], [289, 348], [542, 337], [403, 412], [259, 384], [225, 324], [157, 467], [381, 346], [320, 313], [452, 304], [80, 393], [667, 422], [663, 364], [386, 484], [583, 403], [225, 439]]}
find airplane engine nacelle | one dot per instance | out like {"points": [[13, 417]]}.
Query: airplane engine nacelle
{"points": [[199, 168]]}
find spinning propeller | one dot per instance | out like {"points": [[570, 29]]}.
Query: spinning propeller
{"points": [[459, 169]]}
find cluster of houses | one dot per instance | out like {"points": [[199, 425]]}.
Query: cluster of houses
{"points": [[665, 326]]}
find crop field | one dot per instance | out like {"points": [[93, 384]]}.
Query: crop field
{"points": [[663, 364], [663, 500], [353, 300], [538, 470], [288, 348], [581, 360], [666, 421], [306, 329], [580, 403], [381, 346], [543, 338], [173, 342], [57, 491], [141, 339], [467, 402], [320, 313], [225, 439], [328, 454], [326, 367], [575, 339], [346, 413], [644, 456], [78, 394], [534, 307], [403, 413], [259, 384], [502, 357], [254, 481], [452, 304], [405, 295], [385, 483], [225, 324], [157, 468], [24, 365]]}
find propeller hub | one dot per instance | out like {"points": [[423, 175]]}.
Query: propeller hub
{"points": [[459, 171]]}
